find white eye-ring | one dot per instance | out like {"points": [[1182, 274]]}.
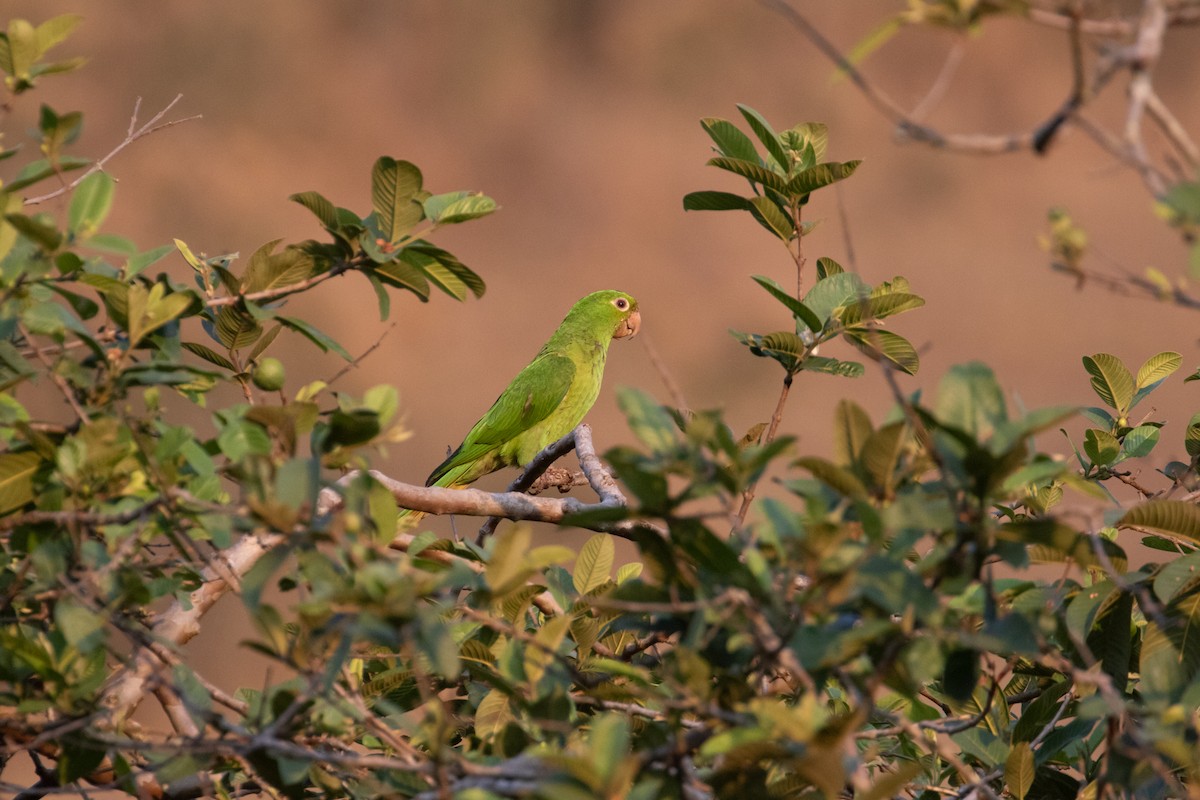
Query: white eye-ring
{"points": [[621, 303]]}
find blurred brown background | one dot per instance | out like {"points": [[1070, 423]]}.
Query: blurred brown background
{"points": [[581, 119]]}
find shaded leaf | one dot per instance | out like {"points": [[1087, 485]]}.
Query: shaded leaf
{"points": [[772, 217], [714, 201], [751, 171], [16, 478], [882, 344], [90, 204], [729, 139], [851, 429], [1174, 517], [820, 175], [798, 309], [1019, 770], [766, 134]]}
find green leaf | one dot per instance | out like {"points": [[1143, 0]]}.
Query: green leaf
{"points": [[351, 428], [1014, 433], [1140, 441], [236, 327], [22, 49], [819, 176], [401, 273], [268, 270], [150, 310], [1191, 438], [882, 344], [714, 201], [1158, 367], [784, 346], [1174, 517], [43, 169], [473, 206], [751, 171], [798, 309], [209, 355], [729, 139], [448, 263], [1178, 577], [851, 429], [648, 420], [880, 307], [835, 291], [138, 261], [314, 335], [766, 134], [826, 267], [832, 366], [54, 30], [322, 208], [506, 567], [263, 343], [438, 274], [492, 715], [970, 399], [594, 564], [1111, 381], [80, 626], [1101, 447], [394, 189], [1019, 770], [16, 478], [881, 453], [36, 230], [841, 480], [9, 204], [90, 204], [771, 216]]}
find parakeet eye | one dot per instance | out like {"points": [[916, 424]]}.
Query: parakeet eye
{"points": [[621, 303]]}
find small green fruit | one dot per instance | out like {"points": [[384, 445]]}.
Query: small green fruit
{"points": [[268, 374]]}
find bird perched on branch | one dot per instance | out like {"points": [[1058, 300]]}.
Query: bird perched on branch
{"points": [[547, 399]]}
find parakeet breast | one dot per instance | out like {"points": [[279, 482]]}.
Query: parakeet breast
{"points": [[579, 399]]}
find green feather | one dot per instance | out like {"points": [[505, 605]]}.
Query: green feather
{"points": [[549, 397]]}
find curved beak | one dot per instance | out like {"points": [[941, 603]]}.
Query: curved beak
{"points": [[629, 326]]}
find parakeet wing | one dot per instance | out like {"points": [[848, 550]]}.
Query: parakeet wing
{"points": [[532, 396]]}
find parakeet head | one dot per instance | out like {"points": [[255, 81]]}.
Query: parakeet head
{"points": [[609, 307]]}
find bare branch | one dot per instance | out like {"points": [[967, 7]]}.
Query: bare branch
{"points": [[134, 133]]}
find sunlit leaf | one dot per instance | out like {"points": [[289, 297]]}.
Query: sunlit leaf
{"points": [[1174, 517], [1110, 380], [594, 564]]}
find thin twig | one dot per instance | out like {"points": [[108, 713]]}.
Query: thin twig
{"points": [[59, 380], [354, 364], [134, 133], [664, 374]]}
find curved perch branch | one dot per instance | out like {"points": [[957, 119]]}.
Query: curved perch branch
{"points": [[181, 622]]}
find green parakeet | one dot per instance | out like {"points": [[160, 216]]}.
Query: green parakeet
{"points": [[548, 398]]}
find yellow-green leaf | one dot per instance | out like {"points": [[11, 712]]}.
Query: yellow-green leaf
{"points": [[16, 479], [1018, 770], [1172, 517], [594, 565], [1158, 367], [1111, 380]]}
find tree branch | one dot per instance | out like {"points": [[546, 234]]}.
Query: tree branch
{"points": [[132, 135]]}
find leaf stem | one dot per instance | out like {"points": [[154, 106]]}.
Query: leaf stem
{"points": [[772, 430]]}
